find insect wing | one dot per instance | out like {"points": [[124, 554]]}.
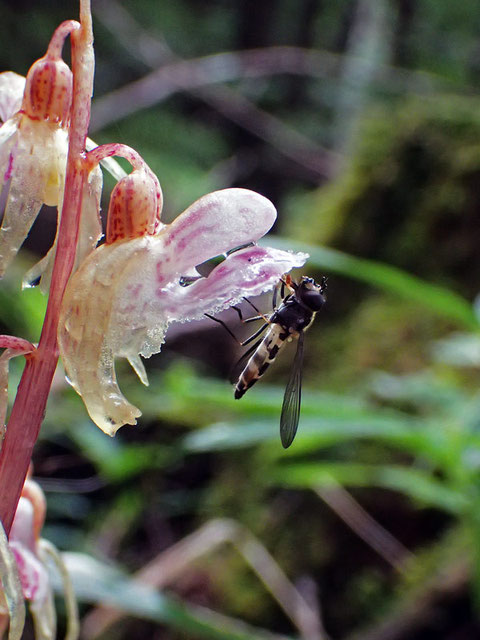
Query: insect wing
{"points": [[292, 398]]}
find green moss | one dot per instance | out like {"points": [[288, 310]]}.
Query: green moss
{"points": [[409, 194]]}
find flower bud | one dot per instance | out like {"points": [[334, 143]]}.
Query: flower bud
{"points": [[48, 91], [135, 207]]}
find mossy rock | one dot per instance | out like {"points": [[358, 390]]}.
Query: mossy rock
{"points": [[409, 194]]}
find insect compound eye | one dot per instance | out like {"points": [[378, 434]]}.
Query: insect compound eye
{"points": [[314, 300]]}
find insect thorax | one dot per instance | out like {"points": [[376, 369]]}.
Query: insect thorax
{"points": [[292, 316]]}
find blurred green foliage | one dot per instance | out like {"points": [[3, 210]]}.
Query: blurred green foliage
{"points": [[409, 194]]}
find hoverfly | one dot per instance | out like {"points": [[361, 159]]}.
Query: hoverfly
{"points": [[288, 322]]}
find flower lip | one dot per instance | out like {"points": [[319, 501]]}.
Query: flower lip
{"points": [[247, 272], [125, 294]]}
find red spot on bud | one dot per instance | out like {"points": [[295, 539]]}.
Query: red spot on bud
{"points": [[135, 206], [48, 91]]}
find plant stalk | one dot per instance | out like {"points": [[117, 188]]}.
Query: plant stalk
{"points": [[29, 408]]}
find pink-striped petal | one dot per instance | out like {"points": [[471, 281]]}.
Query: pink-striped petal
{"points": [[217, 223], [245, 273], [12, 86]]}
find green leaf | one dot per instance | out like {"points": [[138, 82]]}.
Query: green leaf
{"points": [[417, 484], [401, 432], [391, 279], [99, 583], [21, 312], [116, 460], [459, 350]]}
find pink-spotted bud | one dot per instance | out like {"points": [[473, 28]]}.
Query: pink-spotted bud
{"points": [[48, 91], [135, 207]]}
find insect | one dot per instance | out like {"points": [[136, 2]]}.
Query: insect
{"points": [[288, 322]]}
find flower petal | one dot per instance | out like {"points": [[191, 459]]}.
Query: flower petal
{"points": [[11, 588], [33, 575], [124, 295], [89, 234], [7, 131], [37, 589], [12, 86], [37, 178], [91, 331], [135, 206], [13, 347], [113, 307], [245, 273], [217, 223]]}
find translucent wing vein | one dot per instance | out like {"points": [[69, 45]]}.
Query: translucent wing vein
{"points": [[292, 398]]}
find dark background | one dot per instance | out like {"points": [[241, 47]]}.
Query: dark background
{"points": [[360, 120]]}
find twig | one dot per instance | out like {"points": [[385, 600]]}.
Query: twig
{"points": [[368, 46], [319, 162], [189, 75], [30, 402], [366, 527], [170, 564]]}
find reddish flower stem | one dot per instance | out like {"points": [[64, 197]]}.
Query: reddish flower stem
{"points": [[30, 403], [18, 345], [98, 154], [57, 40]]}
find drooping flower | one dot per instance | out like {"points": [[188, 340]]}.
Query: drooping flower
{"points": [[30, 553], [33, 155], [126, 293], [23, 542]]}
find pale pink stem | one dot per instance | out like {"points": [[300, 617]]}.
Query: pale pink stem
{"points": [[95, 156], [19, 345], [59, 36], [29, 407], [12, 347]]}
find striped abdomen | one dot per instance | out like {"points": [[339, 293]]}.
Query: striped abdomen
{"points": [[263, 356]]}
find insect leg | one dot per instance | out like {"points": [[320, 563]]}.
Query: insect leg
{"points": [[254, 335], [225, 326], [275, 294], [260, 314], [251, 304], [186, 281], [289, 284], [245, 320]]}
